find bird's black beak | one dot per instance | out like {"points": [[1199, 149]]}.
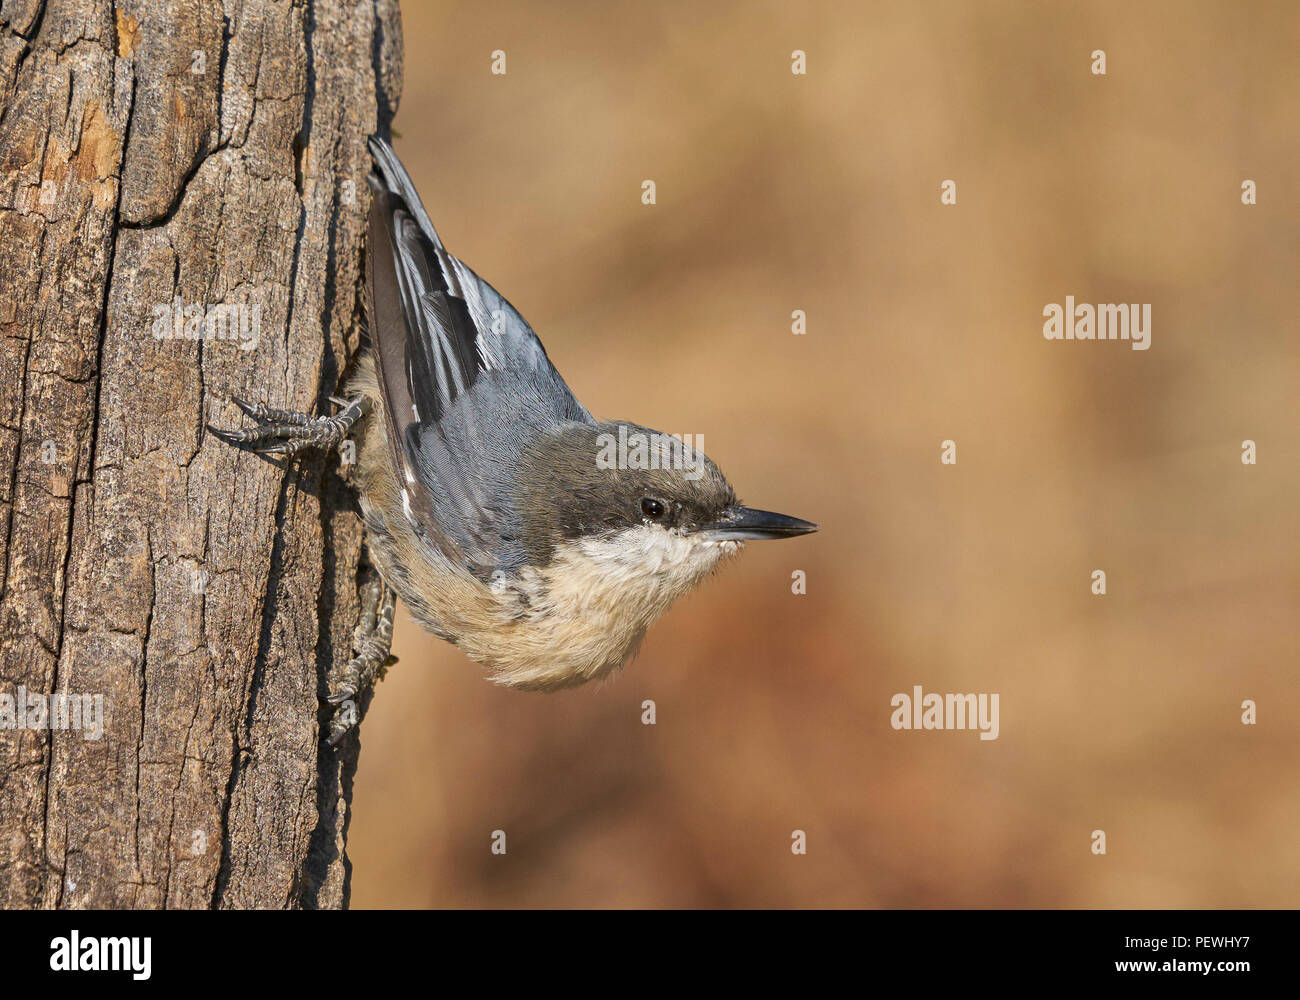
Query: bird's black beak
{"points": [[739, 523]]}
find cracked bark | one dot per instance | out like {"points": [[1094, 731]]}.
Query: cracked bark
{"points": [[156, 151]]}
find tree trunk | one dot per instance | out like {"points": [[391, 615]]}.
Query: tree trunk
{"points": [[160, 161]]}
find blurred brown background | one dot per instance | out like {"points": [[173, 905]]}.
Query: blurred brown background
{"points": [[778, 192]]}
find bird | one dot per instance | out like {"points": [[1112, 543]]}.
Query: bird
{"points": [[541, 542]]}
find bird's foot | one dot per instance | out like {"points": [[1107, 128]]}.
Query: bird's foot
{"points": [[371, 641], [284, 432]]}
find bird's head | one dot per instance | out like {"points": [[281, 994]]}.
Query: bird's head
{"points": [[635, 508]]}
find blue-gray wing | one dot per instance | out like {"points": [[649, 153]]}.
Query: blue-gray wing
{"points": [[466, 382]]}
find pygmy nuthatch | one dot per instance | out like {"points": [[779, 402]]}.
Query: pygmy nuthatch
{"points": [[510, 522]]}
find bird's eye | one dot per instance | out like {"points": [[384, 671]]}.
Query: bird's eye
{"points": [[652, 508]]}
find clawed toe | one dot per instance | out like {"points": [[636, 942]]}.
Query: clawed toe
{"points": [[286, 432]]}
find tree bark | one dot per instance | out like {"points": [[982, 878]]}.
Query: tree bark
{"points": [[157, 154]]}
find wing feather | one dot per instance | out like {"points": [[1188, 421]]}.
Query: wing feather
{"points": [[467, 383]]}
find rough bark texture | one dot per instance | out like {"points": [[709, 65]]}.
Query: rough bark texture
{"points": [[213, 152]]}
